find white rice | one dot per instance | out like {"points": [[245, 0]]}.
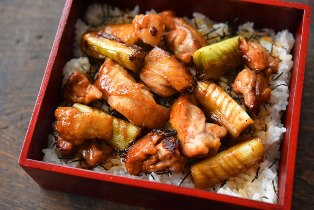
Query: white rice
{"points": [[260, 184]]}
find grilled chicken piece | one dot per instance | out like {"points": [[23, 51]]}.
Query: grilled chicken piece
{"points": [[256, 56], [254, 87], [129, 98], [184, 40], [164, 75], [94, 152], [77, 89], [157, 151], [198, 138], [168, 19], [65, 148], [148, 29], [75, 127], [121, 31]]}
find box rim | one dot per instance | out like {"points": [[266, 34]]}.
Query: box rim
{"points": [[291, 153]]}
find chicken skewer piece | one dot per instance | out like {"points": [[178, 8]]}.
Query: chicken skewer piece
{"points": [[130, 98], [198, 138], [182, 38], [157, 151], [252, 81], [78, 89], [164, 75]]}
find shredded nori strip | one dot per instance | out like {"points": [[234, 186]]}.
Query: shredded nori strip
{"points": [[274, 78], [101, 165], [222, 184], [73, 161], [66, 158], [279, 85], [274, 188], [271, 165], [186, 175], [163, 172], [152, 176], [256, 176], [264, 197]]}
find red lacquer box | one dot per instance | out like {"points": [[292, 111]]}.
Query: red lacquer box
{"points": [[270, 14]]}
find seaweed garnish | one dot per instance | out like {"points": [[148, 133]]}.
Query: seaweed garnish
{"points": [[184, 178], [274, 188], [265, 107], [101, 165], [274, 78], [74, 161], [66, 158], [167, 171], [223, 184], [279, 85], [273, 163], [256, 176]]}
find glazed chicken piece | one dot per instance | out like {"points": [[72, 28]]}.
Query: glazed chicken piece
{"points": [[78, 89], [65, 148], [94, 152], [75, 127], [164, 75], [148, 29], [254, 87], [168, 19], [129, 98], [121, 31], [198, 138], [256, 57], [183, 40], [157, 151]]}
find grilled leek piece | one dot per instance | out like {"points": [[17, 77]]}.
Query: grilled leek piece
{"points": [[214, 60], [228, 163], [123, 132], [221, 108], [102, 45]]}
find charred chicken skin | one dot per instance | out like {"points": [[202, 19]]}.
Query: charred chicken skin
{"points": [[198, 138], [183, 39], [254, 88], [148, 29], [78, 89], [252, 82], [256, 56], [94, 152], [157, 151], [164, 75], [129, 98]]}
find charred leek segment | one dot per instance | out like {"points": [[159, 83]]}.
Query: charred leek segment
{"points": [[213, 61], [104, 45], [221, 108], [228, 163], [123, 132]]}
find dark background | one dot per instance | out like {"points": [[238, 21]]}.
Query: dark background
{"points": [[27, 30]]}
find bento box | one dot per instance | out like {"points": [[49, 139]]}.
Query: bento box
{"points": [[274, 14]]}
